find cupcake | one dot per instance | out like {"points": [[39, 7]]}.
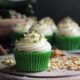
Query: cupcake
{"points": [[20, 29], [47, 27], [68, 35], [32, 53]]}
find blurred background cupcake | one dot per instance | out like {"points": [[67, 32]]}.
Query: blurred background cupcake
{"points": [[20, 29], [47, 27], [32, 53], [68, 35]]}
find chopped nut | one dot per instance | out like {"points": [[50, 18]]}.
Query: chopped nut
{"points": [[57, 53], [64, 62]]}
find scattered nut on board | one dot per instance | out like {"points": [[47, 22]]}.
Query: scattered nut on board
{"points": [[57, 53], [61, 61]]}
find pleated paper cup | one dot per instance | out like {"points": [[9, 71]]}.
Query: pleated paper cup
{"points": [[32, 61], [51, 39], [16, 36], [67, 43]]}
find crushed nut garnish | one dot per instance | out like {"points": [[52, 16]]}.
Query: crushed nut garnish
{"points": [[58, 61]]}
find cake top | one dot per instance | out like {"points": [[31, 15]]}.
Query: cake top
{"points": [[20, 27], [46, 26], [68, 23], [32, 37], [31, 20], [68, 27], [33, 42], [24, 27], [46, 20]]}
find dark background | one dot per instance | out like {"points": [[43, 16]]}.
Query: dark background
{"points": [[58, 9]]}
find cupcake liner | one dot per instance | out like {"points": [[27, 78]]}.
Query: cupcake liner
{"points": [[51, 39], [67, 43], [16, 36], [32, 61]]}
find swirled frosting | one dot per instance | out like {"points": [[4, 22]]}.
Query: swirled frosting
{"points": [[26, 27], [20, 28], [33, 42], [68, 27], [45, 26], [31, 21]]}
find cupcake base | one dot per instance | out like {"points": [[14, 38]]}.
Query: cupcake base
{"points": [[51, 39], [16, 36], [67, 43], [32, 61]]}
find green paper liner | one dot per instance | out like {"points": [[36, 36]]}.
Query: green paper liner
{"points": [[16, 36], [51, 39], [67, 43], [32, 61]]}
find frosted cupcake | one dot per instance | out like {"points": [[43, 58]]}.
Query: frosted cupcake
{"points": [[68, 35], [20, 29], [32, 53], [47, 27]]}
